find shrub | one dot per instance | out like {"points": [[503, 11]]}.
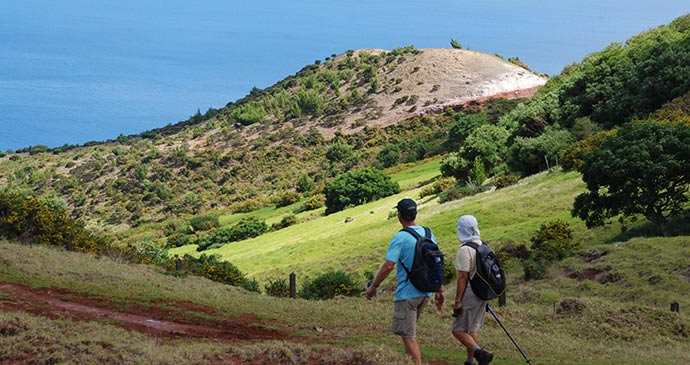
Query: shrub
{"points": [[310, 101], [533, 269], [389, 156], [149, 253], [204, 222], [330, 285], [244, 229], [246, 206], [248, 228], [502, 181], [287, 221], [248, 114], [286, 198], [314, 202], [35, 221], [355, 188], [211, 267], [305, 184], [340, 151], [553, 250], [460, 191], [477, 173], [553, 242], [177, 239], [437, 187], [555, 230], [278, 288]]}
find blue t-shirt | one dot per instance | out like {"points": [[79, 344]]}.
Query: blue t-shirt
{"points": [[402, 247]]}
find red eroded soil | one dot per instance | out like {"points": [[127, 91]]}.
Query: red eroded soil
{"points": [[164, 320]]}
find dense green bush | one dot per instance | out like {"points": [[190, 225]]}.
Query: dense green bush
{"points": [[463, 128], [287, 221], [389, 156], [553, 242], [213, 268], [204, 222], [460, 191], [244, 229], [277, 288], [488, 145], [358, 187], [555, 230], [534, 269], [529, 156], [311, 203], [305, 184], [32, 220], [477, 173], [249, 113], [502, 181], [341, 153], [286, 198], [331, 285], [177, 239], [439, 185]]}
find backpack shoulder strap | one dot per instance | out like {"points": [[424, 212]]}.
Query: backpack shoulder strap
{"points": [[474, 245], [412, 232], [427, 232], [416, 237]]}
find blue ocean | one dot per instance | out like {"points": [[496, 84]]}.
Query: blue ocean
{"points": [[76, 71]]}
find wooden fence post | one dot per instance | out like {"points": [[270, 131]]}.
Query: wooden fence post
{"points": [[293, 285]]}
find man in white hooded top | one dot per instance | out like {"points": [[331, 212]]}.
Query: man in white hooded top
{"points": [[468, 309]]}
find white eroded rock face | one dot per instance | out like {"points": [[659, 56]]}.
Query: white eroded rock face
{"points": [[439, 78]]}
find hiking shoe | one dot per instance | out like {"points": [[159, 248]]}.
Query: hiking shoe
{"points": [[484, 357], [468, 362]]}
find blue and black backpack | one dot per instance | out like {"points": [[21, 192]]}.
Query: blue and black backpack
{"points": [[426, 273], [490, 280]]}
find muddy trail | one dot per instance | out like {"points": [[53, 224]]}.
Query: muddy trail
{"points": [[162, 320]]}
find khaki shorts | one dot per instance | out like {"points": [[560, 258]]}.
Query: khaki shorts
{"points": [[405, 315], [473, 310]]}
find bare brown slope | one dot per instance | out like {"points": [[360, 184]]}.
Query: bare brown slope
{"points": [[450, 77], [439, 78]]}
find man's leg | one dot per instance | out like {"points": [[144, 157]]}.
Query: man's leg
{"points": [[412, 349], [468, 340]]}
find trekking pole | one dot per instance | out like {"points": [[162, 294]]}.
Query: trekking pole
{"points": [[488, 309]]}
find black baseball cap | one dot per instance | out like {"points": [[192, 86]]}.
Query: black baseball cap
{"points": [[407, 206]]}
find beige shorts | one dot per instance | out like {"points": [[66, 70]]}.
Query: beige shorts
{"points": [[405, 315], [472, 317]]}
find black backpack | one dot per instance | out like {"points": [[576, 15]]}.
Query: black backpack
{"points": [[426, 273], [490, 280]]}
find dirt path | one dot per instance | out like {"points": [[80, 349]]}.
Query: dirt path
{"points": [[156, 320]]}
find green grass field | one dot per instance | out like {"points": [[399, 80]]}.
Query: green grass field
{"points": [[355, 240]]}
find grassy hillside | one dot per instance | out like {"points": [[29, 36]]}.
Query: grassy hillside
{"points": [[610, 304], [356, 239]]}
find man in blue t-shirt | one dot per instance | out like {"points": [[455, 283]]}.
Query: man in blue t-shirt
{"points": [[409, 301]]}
